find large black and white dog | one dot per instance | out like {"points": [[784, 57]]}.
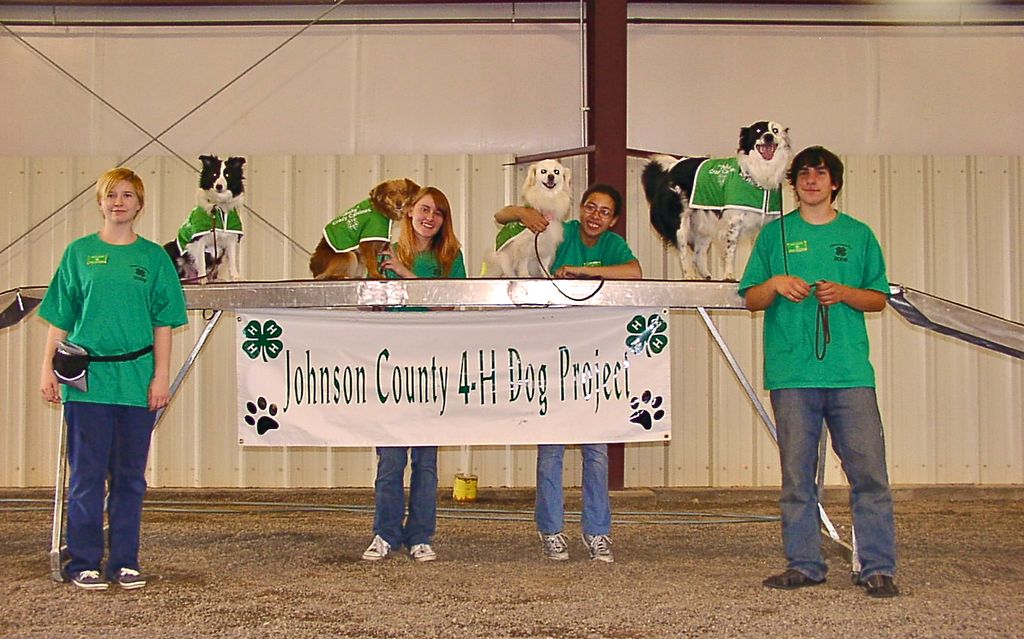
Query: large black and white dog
{"points": [[211, 234], [697, 201]]}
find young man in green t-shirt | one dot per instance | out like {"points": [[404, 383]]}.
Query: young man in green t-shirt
{"points": [[815, 272]]}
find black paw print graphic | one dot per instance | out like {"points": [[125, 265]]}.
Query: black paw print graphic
{"points": [[266, 422], [642, 409]]}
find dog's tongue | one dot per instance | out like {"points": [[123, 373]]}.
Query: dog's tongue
{"points": [[767, 151]]}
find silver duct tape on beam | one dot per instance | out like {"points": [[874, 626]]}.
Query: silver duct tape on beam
{"points": [[959, 321], [471, 293]]}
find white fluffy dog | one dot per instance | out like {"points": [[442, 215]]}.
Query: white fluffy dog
{"points": [[548, 189]]}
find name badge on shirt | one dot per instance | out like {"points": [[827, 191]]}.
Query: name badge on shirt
{"points": [[94, 260], [796, 247]]}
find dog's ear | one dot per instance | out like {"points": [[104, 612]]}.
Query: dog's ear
{"points": [[746, 133], [412, 187], [236, 162], [208, 160], [531, 177], [377, 192], [567, 179]]}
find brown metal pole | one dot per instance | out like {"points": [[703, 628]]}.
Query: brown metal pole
{"points": [[606, 129]]}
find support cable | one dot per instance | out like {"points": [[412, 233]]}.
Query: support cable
{"points": [[156, 138]]}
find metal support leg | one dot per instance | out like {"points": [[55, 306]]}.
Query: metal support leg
{"points": [[186, 366], [738, 371], [56, 569], [770, 425], [56, 534]]}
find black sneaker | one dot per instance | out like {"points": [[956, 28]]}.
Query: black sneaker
{"points": [[790, 580], [880, 586], [130, 579], [89, 580]]}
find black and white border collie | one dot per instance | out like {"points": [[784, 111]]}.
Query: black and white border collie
{"points": [[213, 230], [763, 157]]}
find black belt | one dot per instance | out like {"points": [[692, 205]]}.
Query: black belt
{"points": [[123, 357]]}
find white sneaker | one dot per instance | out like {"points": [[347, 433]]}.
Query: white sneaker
{"points": [[377, 550], [555, 546], [422, 552], [600, 547]]}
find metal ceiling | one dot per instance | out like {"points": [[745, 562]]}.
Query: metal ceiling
{"points": [[264, 3]]}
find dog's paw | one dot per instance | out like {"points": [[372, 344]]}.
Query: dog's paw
{"points": [[646, 409], [264, 422]]}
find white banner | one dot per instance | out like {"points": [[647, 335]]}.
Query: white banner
{"points": [[517, 376]]}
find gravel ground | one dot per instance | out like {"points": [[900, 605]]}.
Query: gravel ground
{"points": [[268, 571]]}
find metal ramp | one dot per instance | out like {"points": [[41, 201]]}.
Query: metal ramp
{"points": [[959, 321], [921, 309]]}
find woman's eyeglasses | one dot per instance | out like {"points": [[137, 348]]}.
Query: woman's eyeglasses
{"points": [[603, 211]]}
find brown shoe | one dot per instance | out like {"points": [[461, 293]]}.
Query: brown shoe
{"points": [[880, 586], [790, 580]]}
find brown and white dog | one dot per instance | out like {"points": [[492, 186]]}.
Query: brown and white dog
{"points": [[548, 189], [697, 201], [352, 241]]}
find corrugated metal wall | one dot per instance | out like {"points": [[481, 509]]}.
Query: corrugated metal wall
{"points": [[949, 225]]}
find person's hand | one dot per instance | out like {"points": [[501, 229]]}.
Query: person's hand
{"points": [[390, 263], [49, 386], [159, 392], [573, 272], [532, 219], [829, 293], [791, 287]]}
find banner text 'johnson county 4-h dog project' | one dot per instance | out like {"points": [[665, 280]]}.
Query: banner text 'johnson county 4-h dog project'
{"points": [[516, 376]]}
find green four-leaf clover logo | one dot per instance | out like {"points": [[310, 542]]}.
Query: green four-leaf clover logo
{"points": [[262, 340], [647, 334]]}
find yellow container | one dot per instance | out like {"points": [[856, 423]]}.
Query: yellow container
{"points": [[464, 488]]}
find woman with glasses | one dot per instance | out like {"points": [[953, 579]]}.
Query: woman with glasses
{"points": [[589, 250]]}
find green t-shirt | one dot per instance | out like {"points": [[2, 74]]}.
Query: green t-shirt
{"points": [[720, 184], [109, 298], [425, 264], [200, 222], [361, 223], [844, 251], [609, 250]]}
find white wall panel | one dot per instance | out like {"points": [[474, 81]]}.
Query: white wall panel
{"points": [[948, 225], [996, 240]]}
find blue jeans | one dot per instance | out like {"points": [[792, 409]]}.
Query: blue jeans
{"points": [[389, 512], [106, 443], [851, 415], [549, 511]]}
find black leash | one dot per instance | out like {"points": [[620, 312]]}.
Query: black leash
{"points": [[822, 333], [213, 229], [543, 267], [821, 330]]}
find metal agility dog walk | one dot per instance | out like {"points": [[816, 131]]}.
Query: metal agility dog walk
{"points": [[933, 313]]}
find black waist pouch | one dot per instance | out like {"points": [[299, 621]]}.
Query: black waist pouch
{"points": [[71, 363]]}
